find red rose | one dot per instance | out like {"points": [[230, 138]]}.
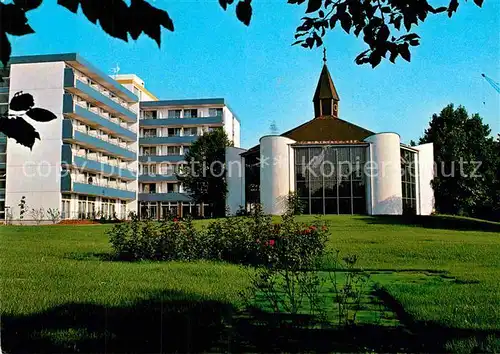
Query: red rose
{"points": [[271, 243]]}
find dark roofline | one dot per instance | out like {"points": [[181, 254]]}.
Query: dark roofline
{"points": [[74, 57], [254, 148], [184, 102]]}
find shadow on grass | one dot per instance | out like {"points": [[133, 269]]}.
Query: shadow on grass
{"points": [[435, 222], [175, 324]]}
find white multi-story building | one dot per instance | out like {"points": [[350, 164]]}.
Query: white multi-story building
{"points": [[87, 162], [167, 129]]}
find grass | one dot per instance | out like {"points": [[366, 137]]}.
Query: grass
{"points": [[437, 273]]}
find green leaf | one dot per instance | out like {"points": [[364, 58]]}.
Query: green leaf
{"points": [[28, 5], [19, 130], [14, 21], [313, 6], [40, 115], [21, 101], [244, 11]]}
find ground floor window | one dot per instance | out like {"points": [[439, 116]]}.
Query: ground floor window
{"points": [[66, 209], [123, 210], [331, 180]]}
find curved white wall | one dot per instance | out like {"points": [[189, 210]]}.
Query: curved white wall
{"points": [[275, 173], [385, 175]]}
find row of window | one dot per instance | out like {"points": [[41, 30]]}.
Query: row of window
{"points": [[99, 134], [97, 156], [162, 210], [98, 87], [181, 113], [162, 169], [160, 188], [100, 111], [180, 131], [164, 150], [90, 207], [102, 181]]}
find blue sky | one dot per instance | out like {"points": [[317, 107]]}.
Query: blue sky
{"points": [[264, 78]]}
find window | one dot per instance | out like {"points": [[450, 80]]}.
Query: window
{"points": [[65, 210], [173, 150], [150, 114], [174, 113], [149, 132], [190, 131], [149, 150], [215, 112], [328, 179], [149, 188], [148, 169], [170, 187], [190, 113], [174, 131], [167, 170], [186, 150], [408, 181]]}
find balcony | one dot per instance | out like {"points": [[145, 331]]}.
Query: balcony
{"points": [[94, 94], [164, 197], [93, 118], [93, 164], [157, 140], [157, 178], [161, 158], [79, 187], [181, 121], [71, 134]]}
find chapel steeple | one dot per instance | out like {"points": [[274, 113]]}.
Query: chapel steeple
{"points": [[326, 100]]}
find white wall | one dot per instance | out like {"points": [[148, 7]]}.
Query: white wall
{"points": [[36, 173], [425, 175], [385, 177], [275, 178], [235, 177]]}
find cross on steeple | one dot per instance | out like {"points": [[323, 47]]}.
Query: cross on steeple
{"points": [[326, 98]]}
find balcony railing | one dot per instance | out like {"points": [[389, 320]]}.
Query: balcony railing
{"points": [[73, 81], [95, 141]]}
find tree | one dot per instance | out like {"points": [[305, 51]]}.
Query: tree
{"points": [[204, 174], [466, 163]]}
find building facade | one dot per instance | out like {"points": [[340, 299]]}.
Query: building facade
{"points": [[113, 149], [333, 167], [167, 129]]}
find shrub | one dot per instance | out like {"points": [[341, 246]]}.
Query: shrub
{"points": [[250, 240], [37, 215], [54, 215]]}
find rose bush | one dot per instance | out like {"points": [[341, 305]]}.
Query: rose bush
{"points": [[251, 240]]}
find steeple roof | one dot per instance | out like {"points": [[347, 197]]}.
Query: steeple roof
{"points": [[326, 88]]}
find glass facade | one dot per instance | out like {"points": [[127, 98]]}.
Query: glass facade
{"points": [[408, 182], [330, 180]]}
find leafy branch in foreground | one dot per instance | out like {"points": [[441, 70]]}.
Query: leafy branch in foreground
{"points": [[386, 25], [16, 127]]}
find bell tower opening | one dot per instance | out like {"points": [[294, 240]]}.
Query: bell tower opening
{"points": [[326, 100]]}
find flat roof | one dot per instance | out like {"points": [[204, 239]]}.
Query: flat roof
{"points": [[186, 102], [83, 65]]}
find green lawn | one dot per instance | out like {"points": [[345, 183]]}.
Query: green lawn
{"points": [[59, 294]]}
